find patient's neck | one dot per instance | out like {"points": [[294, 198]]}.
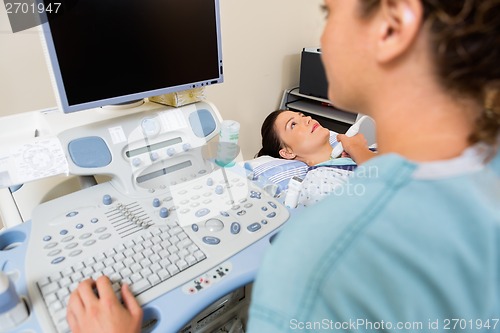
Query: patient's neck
{"points": [[321, 155]]}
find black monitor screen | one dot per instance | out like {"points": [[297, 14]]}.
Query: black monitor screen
{"points": [[109, 51]]}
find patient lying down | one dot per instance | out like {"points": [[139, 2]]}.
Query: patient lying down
{"points": [[293, 136]]}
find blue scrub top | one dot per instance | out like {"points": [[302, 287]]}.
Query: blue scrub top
{"points": [[408, 247]]}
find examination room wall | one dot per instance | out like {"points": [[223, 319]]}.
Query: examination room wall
{"points": [[261, 41]]}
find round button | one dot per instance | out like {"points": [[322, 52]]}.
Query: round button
{"points": [[71, 214], [214, 225], [79, 226], [186, 146], [47, 238], [154, 156], [136, 161], [163, 212], [219, 189], [171, 151], [235, 228], [94, 220], [210, 181], [156, 202], [63, 232], [106, 199], [195, 227]]}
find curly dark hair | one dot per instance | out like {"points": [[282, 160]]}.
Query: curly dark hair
{"points": [[465, 37]]}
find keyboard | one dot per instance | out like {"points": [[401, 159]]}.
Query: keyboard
{"points": [[156, 240], [142, 263]]}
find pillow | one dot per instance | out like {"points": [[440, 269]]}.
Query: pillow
{"points": [[268, 170]]}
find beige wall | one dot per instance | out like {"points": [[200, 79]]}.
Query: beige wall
{"points": [[262, 40]]}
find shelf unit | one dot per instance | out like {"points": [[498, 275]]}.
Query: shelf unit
{"points": [[319, 108]]}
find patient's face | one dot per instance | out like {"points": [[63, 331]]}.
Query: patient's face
{"points": [[302, 134]]}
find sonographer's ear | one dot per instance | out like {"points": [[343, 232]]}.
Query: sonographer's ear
{"points": [[287, 154], [399, 27]]}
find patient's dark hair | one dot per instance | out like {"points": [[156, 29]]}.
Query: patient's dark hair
{"points": [[465, 40], [271, 143]]}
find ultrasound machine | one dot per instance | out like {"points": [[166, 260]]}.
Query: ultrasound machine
{"points": [[174, 217]]}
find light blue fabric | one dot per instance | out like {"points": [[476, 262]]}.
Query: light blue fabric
{"points": [[337, 162], [393, 249]]}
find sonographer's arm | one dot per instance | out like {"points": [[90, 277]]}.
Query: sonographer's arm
{"points": [[356, 147], [88, 313]]}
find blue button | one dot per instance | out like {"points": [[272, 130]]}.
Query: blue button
{"points": [[63, 232], [106, 199], [263, 222], [57, 260], [241, 212], [210, 240], [156, 202], [154, 156], [94, 220], [202, 212], [210, 181], [254, 227], [79, 226], [272, 204], [235, 228], [136, 161], [71, 214], [271, 215], [163, 212], [47, 238], [195, 227], [264, 208], [223, 213], [170, 151], [219, 189]]}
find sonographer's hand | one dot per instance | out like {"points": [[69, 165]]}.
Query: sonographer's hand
{"points": [[89, 313], [356, 146]]}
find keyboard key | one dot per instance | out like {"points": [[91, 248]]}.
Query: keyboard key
{"points": [[140, 286]]}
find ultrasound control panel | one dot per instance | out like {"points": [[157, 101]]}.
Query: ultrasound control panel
{"points": [[179, 229]]}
